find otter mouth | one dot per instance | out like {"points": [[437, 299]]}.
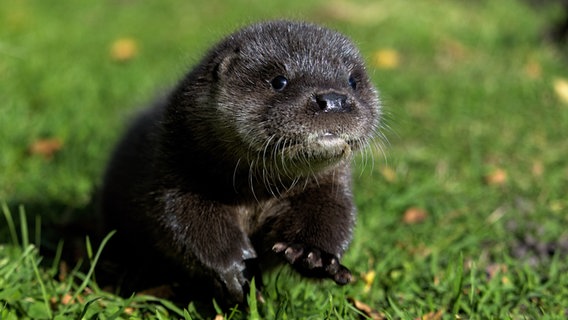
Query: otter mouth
{"points": [[318, 151]]}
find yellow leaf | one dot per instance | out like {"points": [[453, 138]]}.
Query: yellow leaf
{"points": [[123, 49], [386, 59], [388, 173], [368, 279], [561, 89]]}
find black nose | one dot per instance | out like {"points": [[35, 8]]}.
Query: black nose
{"points": [[333, 102]]}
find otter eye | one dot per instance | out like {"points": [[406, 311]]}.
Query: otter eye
{"points": [[279, 83], [352, 83]]}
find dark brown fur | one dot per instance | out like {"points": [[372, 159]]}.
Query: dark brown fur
{"points": [[230, 171]]}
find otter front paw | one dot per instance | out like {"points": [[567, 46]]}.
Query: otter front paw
{"points": [[234, 282], [313, 262]]}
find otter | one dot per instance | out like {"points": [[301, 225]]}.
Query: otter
{"points": [[243, 165]]}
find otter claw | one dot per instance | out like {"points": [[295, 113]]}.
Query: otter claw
{"points": [[313, 262]]}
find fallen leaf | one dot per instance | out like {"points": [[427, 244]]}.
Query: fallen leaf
{"points": [[366, 309], [561, 89], [533, 69], [414, 215], [450, 53], [494, 269], [432, 315], [368, 278], [497, 177], [537, 168], [357, 13], [386, 59], [46, 147], [123, 49], [66, 299], [389, 174], [63, 271]]}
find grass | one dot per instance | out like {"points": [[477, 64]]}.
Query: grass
{"points": [[477, 149]]}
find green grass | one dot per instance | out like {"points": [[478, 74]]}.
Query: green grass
{"points": [[473, 93]]}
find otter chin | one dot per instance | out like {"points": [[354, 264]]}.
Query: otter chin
{"points": [[243, 165], [318, 153]]}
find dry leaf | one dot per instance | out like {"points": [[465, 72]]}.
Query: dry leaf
{"points": [[386, 59], [366, 309], [561, 89], [46, 147], [63, 271], [537, 168], [389, 174], [357, 13], [66, 299], [123, 49], [368, 278], [414, 215], [533, 69], [450, 53], [432, 315], [497, 177], [494, 269]]}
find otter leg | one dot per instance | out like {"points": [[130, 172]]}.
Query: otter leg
{"points": [[206, 235]]}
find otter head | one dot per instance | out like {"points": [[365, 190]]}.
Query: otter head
{"points": [[294, 98]]}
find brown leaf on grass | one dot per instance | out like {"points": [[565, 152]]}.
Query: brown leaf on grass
{"points": [[353, 12], [63, 271], [366, 309], [432, 315], [46, 147], [414, 215], [495, 269], [66, 299], [533, 69], [123, 49], [451, 53], [497, 177], [537, 169], [386, 59]]}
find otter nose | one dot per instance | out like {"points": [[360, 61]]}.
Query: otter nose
{"points": [[333, 102]]}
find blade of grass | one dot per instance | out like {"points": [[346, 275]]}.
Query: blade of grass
{"points": [[57, 258], [11, 225], [34, 265], [24, 227], [458, 284], [38, 231], [89, 274]]}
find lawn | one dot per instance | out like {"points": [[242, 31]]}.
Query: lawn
{"points": [[462, 214]]}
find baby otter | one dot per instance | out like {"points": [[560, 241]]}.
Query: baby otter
{"points": [[244, 163]]}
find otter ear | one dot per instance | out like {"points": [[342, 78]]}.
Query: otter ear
{"points": [[227, 63]]}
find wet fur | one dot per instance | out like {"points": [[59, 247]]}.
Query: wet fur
{"points": [[226, 175]]}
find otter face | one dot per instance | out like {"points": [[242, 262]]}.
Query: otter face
{"points": [[305, 102]]}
